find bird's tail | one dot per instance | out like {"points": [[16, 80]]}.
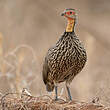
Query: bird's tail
{"points": [[50, 86]]}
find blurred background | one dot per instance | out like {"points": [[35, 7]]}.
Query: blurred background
{"points": [[28, 28]]}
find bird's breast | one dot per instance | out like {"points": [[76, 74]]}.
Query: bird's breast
{"points": [[66, 55]]}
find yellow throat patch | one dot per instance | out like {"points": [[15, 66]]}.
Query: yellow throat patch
{"points": [[70, 25]]}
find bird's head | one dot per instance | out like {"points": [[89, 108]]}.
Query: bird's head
{"points": [[69, 13]]}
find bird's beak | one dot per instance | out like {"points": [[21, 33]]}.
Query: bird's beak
{"points": [[62, 14]]}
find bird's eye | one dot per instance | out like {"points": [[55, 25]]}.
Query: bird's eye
{"points": [[71, 12]]}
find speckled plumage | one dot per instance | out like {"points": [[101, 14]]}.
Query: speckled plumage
{"points": [[64, 60]]}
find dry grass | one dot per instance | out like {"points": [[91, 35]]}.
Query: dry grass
{"points": [[26, 101], [13, 67]]}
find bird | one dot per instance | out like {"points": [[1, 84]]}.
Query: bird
{"points": [[66, 58]]}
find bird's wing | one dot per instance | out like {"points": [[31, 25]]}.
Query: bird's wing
{"points": [[45, 71]]}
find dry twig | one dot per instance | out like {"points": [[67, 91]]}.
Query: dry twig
{"points": [[11, 101]]}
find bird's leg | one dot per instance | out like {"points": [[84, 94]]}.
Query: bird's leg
{"points": [[56, 93], [68, 90]]}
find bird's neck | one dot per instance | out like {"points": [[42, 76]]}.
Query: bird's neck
{"points": [[70, 25]]}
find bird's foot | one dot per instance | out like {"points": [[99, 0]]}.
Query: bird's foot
{"points": [[56, 98], [59, 99], [69, 100]]}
